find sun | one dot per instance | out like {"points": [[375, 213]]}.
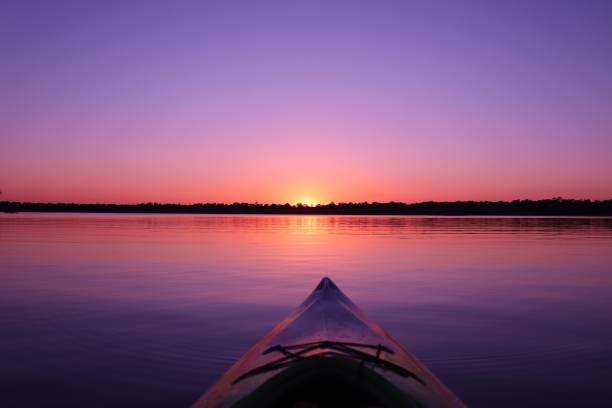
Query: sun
{"points": [[309, 201]]}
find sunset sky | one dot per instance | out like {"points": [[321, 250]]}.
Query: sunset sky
{"points": [[223, 101]]}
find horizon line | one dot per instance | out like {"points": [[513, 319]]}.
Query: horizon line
{"points": [[303, 204], [548, 207]]}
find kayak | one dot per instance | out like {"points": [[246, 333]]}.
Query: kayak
{"points": [[327, 353]]}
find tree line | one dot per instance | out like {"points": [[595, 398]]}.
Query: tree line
{"points": [[553, 206]]}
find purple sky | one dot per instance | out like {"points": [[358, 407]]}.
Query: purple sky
{"points": [[305, 101]]}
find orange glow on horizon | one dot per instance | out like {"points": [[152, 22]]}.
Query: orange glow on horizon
{"points": [[309, 201]]}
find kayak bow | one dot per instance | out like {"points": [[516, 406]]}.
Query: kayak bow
{"points": [[327, 353]]}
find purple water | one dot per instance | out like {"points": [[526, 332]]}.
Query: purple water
{"points": [[149, 310]]}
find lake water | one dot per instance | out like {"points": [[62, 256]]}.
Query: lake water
{"points": [[149, 310]]}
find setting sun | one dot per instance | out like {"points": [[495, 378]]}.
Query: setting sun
{"points": [[311, 202]]}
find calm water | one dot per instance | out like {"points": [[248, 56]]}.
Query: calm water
{"points": [[139, 310]]}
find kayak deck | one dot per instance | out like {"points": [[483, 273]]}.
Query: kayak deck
{"points": [[328, 353]]}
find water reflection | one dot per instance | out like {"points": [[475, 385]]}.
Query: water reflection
{"points": [[141, 310]]}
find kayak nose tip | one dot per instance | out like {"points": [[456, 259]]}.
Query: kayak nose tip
{"points": [[326, 283]]}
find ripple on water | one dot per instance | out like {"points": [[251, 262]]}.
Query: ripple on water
{"points": [[144, 310]]}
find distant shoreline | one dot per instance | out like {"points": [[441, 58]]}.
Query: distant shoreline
{"points": [[549, 207]]}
